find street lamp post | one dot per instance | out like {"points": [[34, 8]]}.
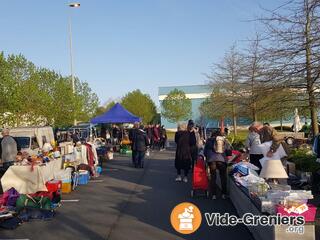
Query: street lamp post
{"points": [[72, 5]]}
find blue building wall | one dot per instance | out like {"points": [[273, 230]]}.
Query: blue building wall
{"points": [[197, 94]]}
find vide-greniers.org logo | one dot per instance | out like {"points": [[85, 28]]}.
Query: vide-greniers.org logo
{"points": [[186, 218], [248, 219]]}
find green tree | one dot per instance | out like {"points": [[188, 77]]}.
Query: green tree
{"points": [[176, 106], [86, 101], [140, 105], [34, 96]]}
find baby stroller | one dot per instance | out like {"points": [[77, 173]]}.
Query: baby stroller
{"points": [[200, 178]]}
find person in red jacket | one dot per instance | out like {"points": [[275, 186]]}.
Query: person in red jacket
{"points": [[156, 136]]}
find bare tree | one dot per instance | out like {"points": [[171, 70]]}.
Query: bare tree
{"points": [[292, 48], [253, 73], [226, 78]]}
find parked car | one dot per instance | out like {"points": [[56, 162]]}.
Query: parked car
{"points": [[31, 139], [85, 130]]}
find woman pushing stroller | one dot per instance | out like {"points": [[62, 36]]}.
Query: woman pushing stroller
{"points": [[216, 151]]}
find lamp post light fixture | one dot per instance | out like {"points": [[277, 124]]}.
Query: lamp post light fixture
{"points": [[72, 5]]}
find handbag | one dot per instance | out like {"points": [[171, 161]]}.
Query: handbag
{"points": [[10, 197], [27, 201]]}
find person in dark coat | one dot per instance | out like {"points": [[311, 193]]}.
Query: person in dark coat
{"points": [[163, 138], [156, 136], [76, 137], [149, 131], [132, 138], [192, 142], [140, 144], [183, 155]]}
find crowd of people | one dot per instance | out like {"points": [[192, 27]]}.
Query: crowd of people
{"points": [[190, 143], [258, 134], [217, 151], [144, 137], [156, 135]]}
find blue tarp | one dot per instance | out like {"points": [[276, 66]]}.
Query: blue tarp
{"points": [[116, 114]]}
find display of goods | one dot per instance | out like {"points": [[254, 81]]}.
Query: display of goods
{"points": [[280, 187], [277, 196], [267, 206], [309, 215], [291, 201]]}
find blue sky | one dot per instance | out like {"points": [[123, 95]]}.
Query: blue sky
{"points": [[121, 45]]}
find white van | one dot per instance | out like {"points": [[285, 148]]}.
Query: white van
{"points": [[31, 139]]}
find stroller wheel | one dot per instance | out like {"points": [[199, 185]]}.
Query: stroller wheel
{"points": [[192, 193]]}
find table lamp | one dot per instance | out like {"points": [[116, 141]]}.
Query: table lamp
{"points": [[273, 169]]}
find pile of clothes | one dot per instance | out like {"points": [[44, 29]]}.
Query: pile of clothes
{"points": [[17, 208]]}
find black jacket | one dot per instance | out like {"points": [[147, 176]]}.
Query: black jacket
{"points": [[139, 141]]}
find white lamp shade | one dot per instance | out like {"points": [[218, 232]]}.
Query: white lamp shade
{"points": [[273, 169]]}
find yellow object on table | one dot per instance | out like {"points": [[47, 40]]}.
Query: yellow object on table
{"points": [[66, 187], [125, 142], [69, 164]]}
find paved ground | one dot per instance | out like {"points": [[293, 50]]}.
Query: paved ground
{"points": [[128, 204]]}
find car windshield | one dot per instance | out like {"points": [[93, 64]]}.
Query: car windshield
{"points": [[23, 142]]}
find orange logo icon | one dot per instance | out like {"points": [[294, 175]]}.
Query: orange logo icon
{"points": [[186, 218]]}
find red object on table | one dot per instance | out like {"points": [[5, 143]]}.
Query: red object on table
{"points": [[54, 185], [236, 156], [309, 215]]}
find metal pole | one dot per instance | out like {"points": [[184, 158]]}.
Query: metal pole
{"points": [[71, 54]]}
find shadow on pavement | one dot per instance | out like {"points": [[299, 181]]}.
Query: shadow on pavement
{"points": [[129, 203]]}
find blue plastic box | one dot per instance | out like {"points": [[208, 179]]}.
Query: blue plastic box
{"points": [[99, 169], [83, 178]]}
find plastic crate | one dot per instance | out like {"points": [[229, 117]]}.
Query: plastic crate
{"points": [[66, 187], [83, 177], [99, 169]]}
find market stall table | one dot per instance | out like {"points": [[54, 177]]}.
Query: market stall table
{"points": [[244, 203], [28, 181]]}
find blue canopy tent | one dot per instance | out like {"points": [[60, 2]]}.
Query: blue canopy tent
{"points": [[116, 114]]}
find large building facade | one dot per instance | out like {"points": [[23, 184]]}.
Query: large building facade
{"points": [[196, 93]]}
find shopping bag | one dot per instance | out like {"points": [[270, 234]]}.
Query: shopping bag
{"points": [[147, 153], [27, 201]]}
